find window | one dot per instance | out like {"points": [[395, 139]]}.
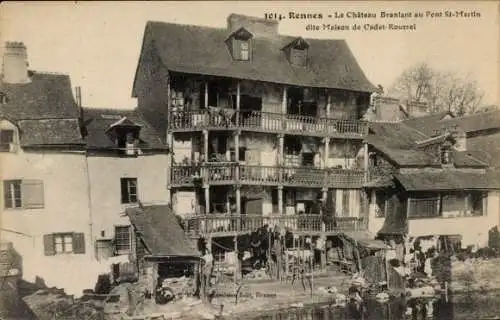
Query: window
{"points": [[244, 50], [129, 190], [381, 204], [477, 203], [424, 205], [6, 140], [122, 239], [23, 194], [64, 243]]}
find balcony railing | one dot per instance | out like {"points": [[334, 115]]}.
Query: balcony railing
{"points": [[226, 173], [267, 122], [213, 224]]}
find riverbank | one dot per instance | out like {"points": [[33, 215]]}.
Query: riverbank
{"points": [[475, 275]]}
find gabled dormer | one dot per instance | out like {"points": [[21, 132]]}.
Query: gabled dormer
{"points": [[240, 45], [125, 134], [297, 52]]}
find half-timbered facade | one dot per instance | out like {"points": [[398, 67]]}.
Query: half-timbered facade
{"points": [[261, 125]]}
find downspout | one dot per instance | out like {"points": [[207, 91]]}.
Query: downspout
{"points": [[89, 199], [89, 196]]}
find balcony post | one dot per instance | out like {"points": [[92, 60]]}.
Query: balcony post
{"points": [[323, 199], [280, 200], [205, 145], [169, 117], [365, 160], [281, 143], [284, 104], [328, 104], [207, 198], [206, 95], [238, 200], [327, 151], [238, 102]]}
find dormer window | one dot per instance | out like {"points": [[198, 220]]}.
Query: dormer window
{"points": [[297, 52], [240, 45], [125, 133]]}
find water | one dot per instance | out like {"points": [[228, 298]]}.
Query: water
{"points": [[459, 306]]}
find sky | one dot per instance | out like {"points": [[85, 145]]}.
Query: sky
{"points": [[98, 43]]}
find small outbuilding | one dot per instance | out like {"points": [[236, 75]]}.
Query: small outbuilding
{"points": [[165, 256]]}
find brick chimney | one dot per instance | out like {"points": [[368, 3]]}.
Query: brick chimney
{"points": [[258, 27], [15, 63]]}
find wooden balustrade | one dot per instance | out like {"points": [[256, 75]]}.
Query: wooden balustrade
{"points": [[267, 122], [184, 174], [215, 172], [220, 224], [225, 173], [260, 174]]}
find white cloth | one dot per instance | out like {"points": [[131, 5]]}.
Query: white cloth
{"points": [[427, 267]]}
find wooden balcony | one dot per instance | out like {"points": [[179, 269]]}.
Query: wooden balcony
{"points": [[268, 122], [226, 172], [228, 225]]}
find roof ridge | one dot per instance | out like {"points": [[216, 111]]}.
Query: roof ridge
{"points": [[150, 22]]}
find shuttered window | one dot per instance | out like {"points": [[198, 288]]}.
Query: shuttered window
{"points": [[128, 190], [26, 194], [64, 243]]}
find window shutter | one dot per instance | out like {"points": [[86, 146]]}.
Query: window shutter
{"points": [[32, 194], [124, 190], [78, 243], [48, 245]]}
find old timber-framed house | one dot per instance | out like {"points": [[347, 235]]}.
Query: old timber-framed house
{"points": [[261, 125]]}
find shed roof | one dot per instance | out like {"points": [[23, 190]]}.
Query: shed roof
{"points": [[160, 231], [202, 50]]}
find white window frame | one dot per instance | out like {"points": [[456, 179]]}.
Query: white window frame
{"points": [[129, 187], [12, 184], [244, 50], [65, 239], [119, 248]]}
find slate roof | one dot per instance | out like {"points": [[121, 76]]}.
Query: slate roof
{"points": [[202, 50], [448, 180], [97, 121], [470, 123], [160, 231], [50, 132], [43, 109], [47, 96], [398, 142]]}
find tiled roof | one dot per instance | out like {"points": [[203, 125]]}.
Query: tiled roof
{"points": [[202, 50], [98, 121], [160, 231], [448, 180], [46, 96]]}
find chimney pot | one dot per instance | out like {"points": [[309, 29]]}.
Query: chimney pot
{"points": [[15, 63]]}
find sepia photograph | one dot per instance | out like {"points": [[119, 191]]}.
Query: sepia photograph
{"points": [[277, 160]]}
